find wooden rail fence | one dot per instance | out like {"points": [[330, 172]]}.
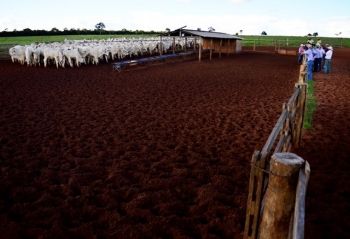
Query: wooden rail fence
{"points": [[285, 136]]}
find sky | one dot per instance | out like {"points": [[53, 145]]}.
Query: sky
{"points": [[275, 17]]}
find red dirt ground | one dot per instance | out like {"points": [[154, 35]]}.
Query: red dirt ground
{"points": [[327, 148], [156, 152]]}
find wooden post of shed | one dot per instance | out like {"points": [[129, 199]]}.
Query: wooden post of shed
{"points": [[185, 44], [220, 48], [280, 196], [173, 45], [200, 51], [211, 49], [194, 44], [160, 46], [228, 47]]}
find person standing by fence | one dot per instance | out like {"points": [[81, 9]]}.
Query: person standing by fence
{"points": [[310, 61], [323, 52], [318, 58], [328, 60]]}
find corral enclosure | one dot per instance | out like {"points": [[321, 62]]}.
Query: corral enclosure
{"points": [[162, 151]]}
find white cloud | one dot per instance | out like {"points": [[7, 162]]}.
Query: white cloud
{"points": [[183, 1], [252, 24], [336, 25], [239, 1]]}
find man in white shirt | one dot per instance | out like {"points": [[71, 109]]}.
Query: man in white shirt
{"points": [[328, 60], [318, 58], [310, 61]]}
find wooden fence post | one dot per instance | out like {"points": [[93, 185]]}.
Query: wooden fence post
{"points": [[280, 196], [302, 72], [211, 49], [275, 44], [279, 46], [254, 46]]}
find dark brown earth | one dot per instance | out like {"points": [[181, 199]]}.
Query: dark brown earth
{"points": [[155, 152], [327, 148]]}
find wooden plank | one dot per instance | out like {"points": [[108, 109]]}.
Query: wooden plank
{"points": [[300, 115], [293, 98], [280, 144], [250, 212], [261, 181], [288, 144], [299, 210], [276, 130]]}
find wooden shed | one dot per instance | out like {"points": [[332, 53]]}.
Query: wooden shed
{"points": [[215, 42]]}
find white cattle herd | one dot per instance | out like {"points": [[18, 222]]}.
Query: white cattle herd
{"points": [[76, 52]]}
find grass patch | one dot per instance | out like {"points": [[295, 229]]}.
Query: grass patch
{"points": [[310, 107]]}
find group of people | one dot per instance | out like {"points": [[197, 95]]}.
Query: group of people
{"points": [[318, 57]]}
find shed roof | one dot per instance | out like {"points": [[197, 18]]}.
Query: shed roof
{"points": [[204, 34]]}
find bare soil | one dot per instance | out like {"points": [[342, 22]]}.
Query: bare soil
{"points": [[157, 152], [327, 148]]}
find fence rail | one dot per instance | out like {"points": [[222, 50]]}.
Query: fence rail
{"points": [[285, 136], [288, 42], [4, 51]]}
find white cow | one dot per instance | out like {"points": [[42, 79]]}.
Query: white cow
{"points": [[71, 53], [53, 53], [17, 53]]}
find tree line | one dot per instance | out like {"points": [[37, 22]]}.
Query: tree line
{"points": [[54, 31]]}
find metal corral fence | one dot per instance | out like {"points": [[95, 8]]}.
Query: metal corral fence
{"points": [[269, 44], [278, 178], [4, 51]]}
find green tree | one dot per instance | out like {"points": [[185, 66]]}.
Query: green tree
{"points": [[54, 29], [100, 26]]}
